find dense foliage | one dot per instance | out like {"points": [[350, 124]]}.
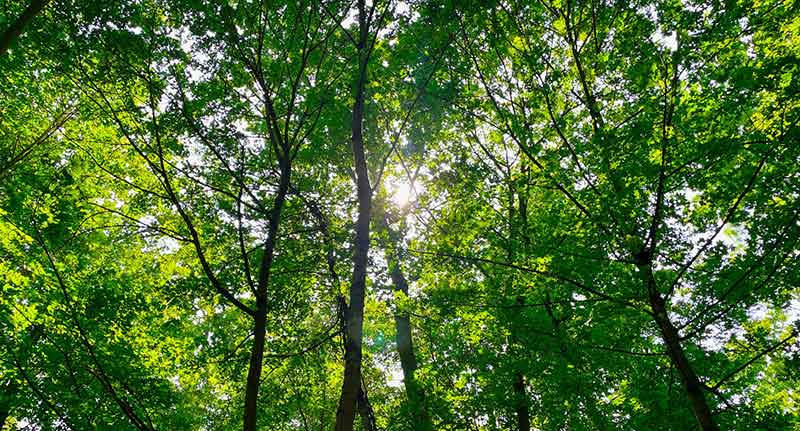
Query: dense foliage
{"points": [[399, 215]]}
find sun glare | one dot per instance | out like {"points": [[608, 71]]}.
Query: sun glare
{"points": [[402, 194]]}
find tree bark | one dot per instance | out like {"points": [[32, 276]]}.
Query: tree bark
{"points": [[17, 27], [408, 360], [521, 405], [520, 395], [365, 410], [351, 384], [669, 334], [520, 401], [254, 371], [260, 318]]}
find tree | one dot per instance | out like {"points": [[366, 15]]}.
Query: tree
{"points": [[15, 29], [399, 215], [354, 316]]}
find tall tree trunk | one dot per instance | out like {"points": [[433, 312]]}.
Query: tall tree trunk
{"points": [[12, 33], [520, 395], [351, 384], [366, 412], [254, 371], [520, 401], [669, 334], [260, 318], [408, 360], [521, 405]]}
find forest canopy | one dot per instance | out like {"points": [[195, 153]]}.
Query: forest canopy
{"points": [[399, 215]]}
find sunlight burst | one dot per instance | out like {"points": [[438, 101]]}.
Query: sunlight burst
{"points": [[401, 194]]}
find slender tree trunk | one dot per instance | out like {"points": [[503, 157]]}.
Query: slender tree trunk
{"points": [[523, 417], [520, 395], [669, 334], [254, 371], [260, 318], [366, 413], [520, 400], [408, 360], [694, 389], [351, 384], [17, 27]]}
